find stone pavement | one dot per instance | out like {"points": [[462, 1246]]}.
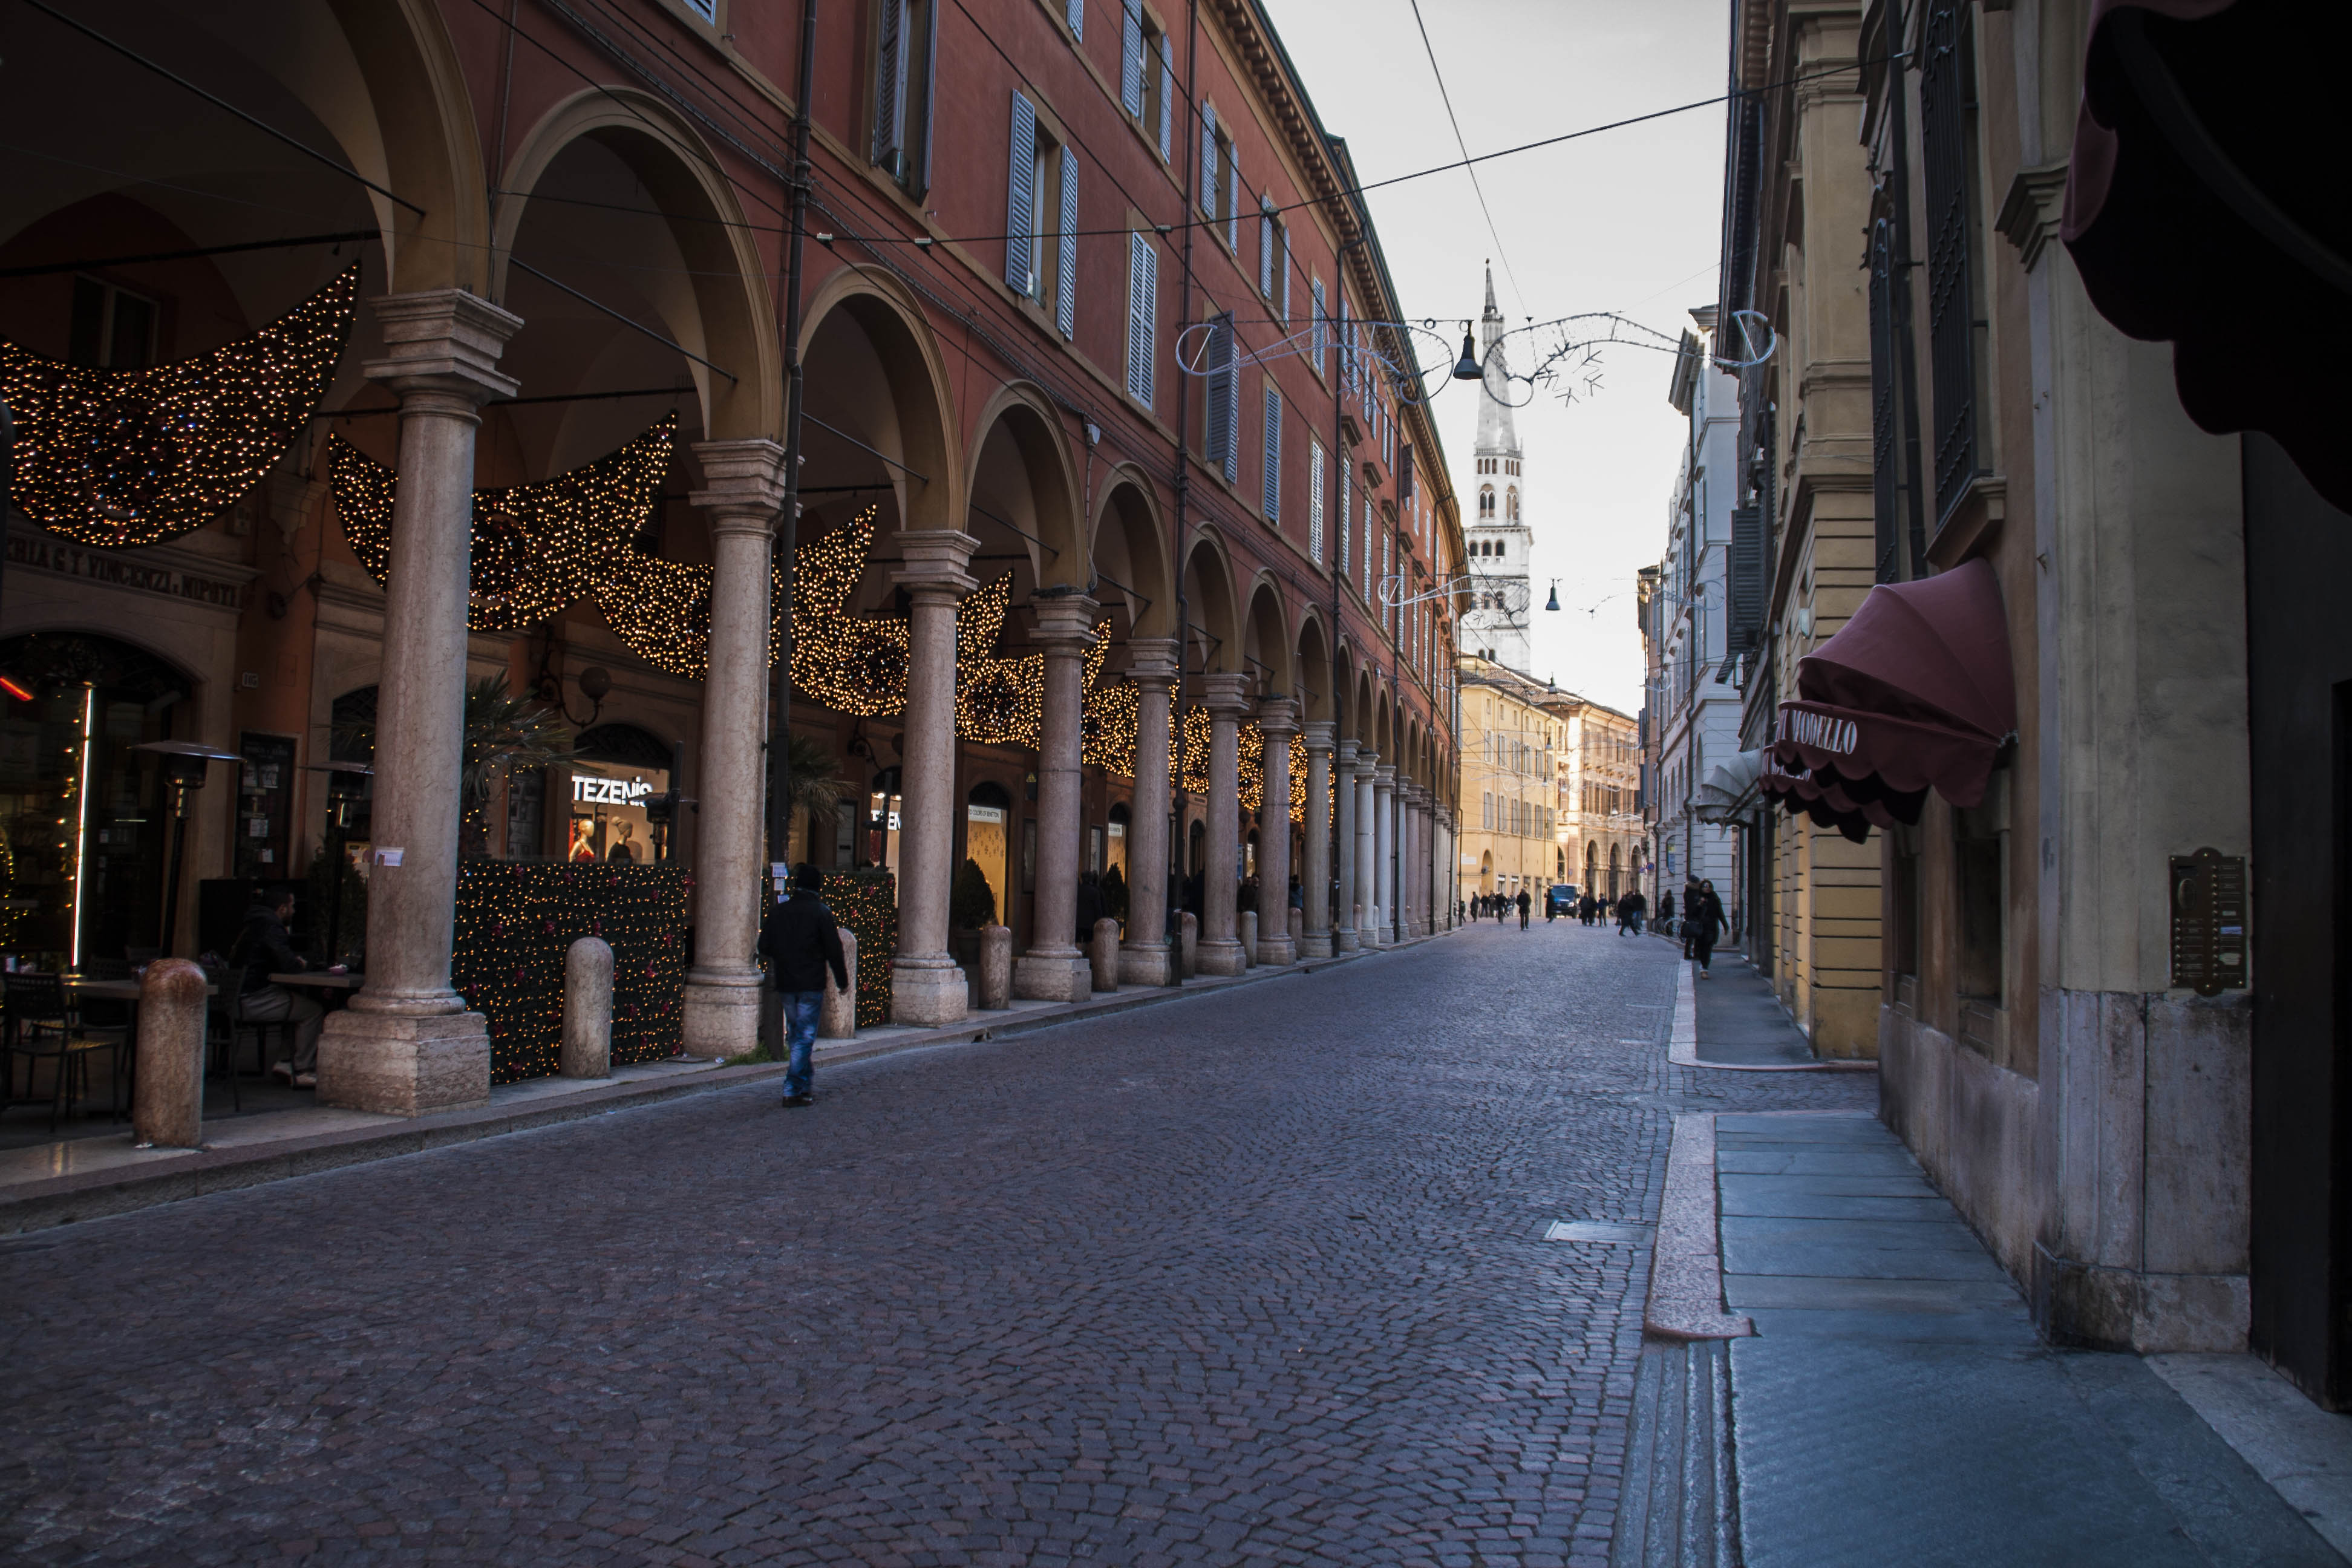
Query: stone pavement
{"points": [[1258, 1276], [1895, 1406], [1740, 1022]]}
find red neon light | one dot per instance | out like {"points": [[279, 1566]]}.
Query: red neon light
{"points": [[14, 690]]}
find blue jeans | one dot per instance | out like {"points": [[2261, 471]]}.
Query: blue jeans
{"points": [[800, 1028]]}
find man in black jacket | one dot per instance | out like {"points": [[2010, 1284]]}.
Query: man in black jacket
{"points": [[801, 942], [264, 949]]}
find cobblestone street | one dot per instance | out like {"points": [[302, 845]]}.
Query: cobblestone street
{"points": [[1257, 1277]]}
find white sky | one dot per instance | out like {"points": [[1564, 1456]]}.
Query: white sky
{"points": [[1625, 221]]}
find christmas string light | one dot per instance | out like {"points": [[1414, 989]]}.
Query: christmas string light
{"points": [[516, 923], [137, 457], [538, 548], [867, 902]]}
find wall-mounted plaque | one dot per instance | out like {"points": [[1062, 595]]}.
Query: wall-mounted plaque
{"points": [[2209, 921]]}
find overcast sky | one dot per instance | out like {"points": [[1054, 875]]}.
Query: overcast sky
{"points": [[1625, 221]]}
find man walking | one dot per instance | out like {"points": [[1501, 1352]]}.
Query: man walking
{"points": [[801, 942], [1524, 903], [1630, 909], [1703, 918]]}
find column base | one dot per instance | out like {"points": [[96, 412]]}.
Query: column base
{"points": [[400, 1064], [1050, 976], [1277, 951], [1314, 945], [718, 1015], [1146, 966], [927, 994], [1346, 941], [1221, 955]]}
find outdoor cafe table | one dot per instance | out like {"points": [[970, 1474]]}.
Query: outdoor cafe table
{"points": [[321, 979]]}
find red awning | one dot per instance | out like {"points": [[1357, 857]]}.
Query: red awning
{"points": [[2204, 207], [1914, 693]]}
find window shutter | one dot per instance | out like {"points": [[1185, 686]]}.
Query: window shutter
{"points": [[1405, 475], [1342, 335], [1285, 276], [1209, 160], [1065, 280], [1142, 311], [1368, 547], [1315, 500], [1079, 19], [1234, 201], [1746, 574], [1347, 486], [1233, 405], [930, 92], [1220, 392], [889, 72], [1167, 101], [1274, 406], [1130, 56], [1020, 214], [1265, 251], [1321, 345]]}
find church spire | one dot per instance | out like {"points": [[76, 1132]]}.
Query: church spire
{"points": [[1497, 437]]}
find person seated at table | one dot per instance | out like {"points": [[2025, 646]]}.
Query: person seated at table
{"points": [[263, 948]]}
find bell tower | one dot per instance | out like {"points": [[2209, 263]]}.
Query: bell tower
{"points": [[1497, 534]]}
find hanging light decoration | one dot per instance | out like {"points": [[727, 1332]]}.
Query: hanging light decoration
{"points": [[137, 457]]}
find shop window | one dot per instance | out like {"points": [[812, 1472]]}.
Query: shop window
{"points": [[1902, 910], [1115, 848], [620, 770], [905, 36], [1979, 878], [881, 845], [988, 843]]}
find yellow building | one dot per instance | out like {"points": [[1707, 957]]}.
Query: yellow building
{"points": [[1600, 836], [1548, 789]]}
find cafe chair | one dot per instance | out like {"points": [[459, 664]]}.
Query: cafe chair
{"points": [[228, 1011], [43, 1028]]}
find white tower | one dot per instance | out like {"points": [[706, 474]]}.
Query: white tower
{"points": [[1497, 626]]}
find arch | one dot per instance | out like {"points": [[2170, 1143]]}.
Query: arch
{"points": [[1318, 691], [1021, 490], [1266, 637], [1215, 632], [1127, 553], [717, 302], [875, 369], [1364, 718]]}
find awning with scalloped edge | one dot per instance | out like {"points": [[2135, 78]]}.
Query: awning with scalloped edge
{"points": [[1914, 693]]}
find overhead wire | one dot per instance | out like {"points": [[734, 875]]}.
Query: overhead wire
{"points": [[1463, 147]]}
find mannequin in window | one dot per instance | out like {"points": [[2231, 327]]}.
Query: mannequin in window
{"points": [[622, 847]]}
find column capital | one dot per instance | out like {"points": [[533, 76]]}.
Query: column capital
{"points": [[1225, 695], [743, 485], [932, 563], [1385, 775], [1064, 621], [1153, 661], [443, 344], [1368, 761], [1320, 733], [1348, 751], [1278, 715]]}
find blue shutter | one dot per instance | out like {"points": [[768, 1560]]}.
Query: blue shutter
{"points": [[1220, 396], [1315, 500], [1021, 203], [1285, 276], [1130, 57], [1209, 158], [1347, 490], [1079, 19], [1167, 101], [1234, 201], [1265, 251], [890, 67], [1142, 315], [1321, 344], [1272, 485], [1233, 405], [1065, 282], [920, 179]]}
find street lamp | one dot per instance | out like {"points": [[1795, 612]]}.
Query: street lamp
{"points": [[186, 763], [1553, 603], [1466, 369]]}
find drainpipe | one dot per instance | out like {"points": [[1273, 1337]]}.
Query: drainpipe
{"points": [[780, 799], [1177, 842]]}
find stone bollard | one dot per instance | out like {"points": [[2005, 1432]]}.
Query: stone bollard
{"points": [[167, 1110], [996, 967], [587, 1010], [1298, 929], [836, 1016], [1249, 938], [1188, 945], [1106, 954]]}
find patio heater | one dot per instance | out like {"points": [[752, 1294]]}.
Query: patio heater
{"points": [[184, 765], [347, 785]]}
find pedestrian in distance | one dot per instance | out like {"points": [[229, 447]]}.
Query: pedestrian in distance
{"points": [[1524, 903], [1630, 910], [1666, 911], [1703, 921], [801, 941], [1501, 903]]}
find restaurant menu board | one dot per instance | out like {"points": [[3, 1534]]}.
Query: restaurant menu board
{"points": [[2209, 921], [264, 805]]}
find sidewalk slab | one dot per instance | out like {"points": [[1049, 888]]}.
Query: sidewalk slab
{"points": [[1896, 1406], [93, 1175]]}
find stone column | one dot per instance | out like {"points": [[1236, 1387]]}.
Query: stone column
{"points": [[1143, 958], [1345, 937], [1278, 717], [1056, 968], [406, 1044], [1408, 822], [1315, 871], [926, 986], [743, 486], [1368, 879], [1417, 870], [1383, 836], [1226, 698]]}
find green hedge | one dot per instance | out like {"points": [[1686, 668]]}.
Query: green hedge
{"points": [[516, 923], [867, 903]]}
